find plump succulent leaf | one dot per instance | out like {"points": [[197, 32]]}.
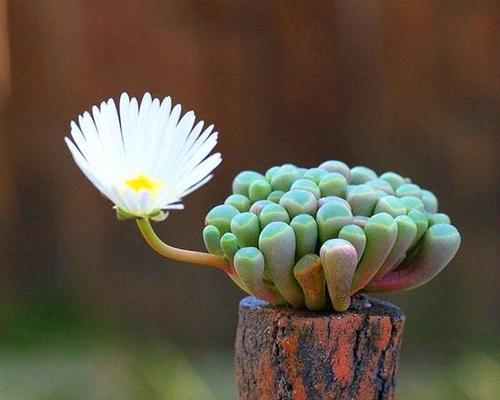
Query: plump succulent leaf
{"points": [[361, 175], [259, 189], [395, 180], [273, 213], [243, 180], [412, 203], [246, 228], [363, 199], [306, 234], [238, 201], [229, 245], [277, 243], [249, 264], [275, 196], [337, 166], [331, 217], [258, 206], [309, 274], [211, 238], [356, 236], [307, 185], [391, 205], [221, 216], [381, 232], [315, 174], [381, 184], [430, 201], [339, 260], [407, 230], [284, 178], [409, 189], [439, 245], [422, 223], [333, 184], [439, 218], [298, 202]]}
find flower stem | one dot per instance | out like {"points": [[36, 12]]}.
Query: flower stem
{"points": [[194, 257]]}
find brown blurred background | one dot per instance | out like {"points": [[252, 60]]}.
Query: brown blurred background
{"points": [[406, 86]]}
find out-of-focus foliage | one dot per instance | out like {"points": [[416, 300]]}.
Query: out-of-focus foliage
{"points": [[67, 356], [469, 376], [51, 351]]}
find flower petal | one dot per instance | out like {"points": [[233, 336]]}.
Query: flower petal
{"points": [[144, 157]]}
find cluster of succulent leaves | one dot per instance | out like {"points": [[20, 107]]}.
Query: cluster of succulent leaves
{"points": [[314, 237]]}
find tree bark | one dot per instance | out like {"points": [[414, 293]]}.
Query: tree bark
{"points": [[284, 353]]}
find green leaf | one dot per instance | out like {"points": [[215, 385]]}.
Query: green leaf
{"points": [[243, 181], [306, 234], [284, 178], [259, 189], [246, 228], [422, 223], [439, 218], [273, 213], [299, 202], [331, 217], [392, 205], [361, 175], [430, 201], [409, 189], [381, 233], [211, 238], [275, 196], [238, 201], [394, 179], [258, 206], [381, 184], [315, 174], [277, 243], [363, 199], [356, 236], [339, 260], [249, 265], [337, 166], [437, 248], [309, 273], [333, 184], [221, 216], [407, 230], [412, 203], [229, 245], [308, 186]]}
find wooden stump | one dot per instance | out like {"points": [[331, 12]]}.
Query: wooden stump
{"points": [[284, 353]]}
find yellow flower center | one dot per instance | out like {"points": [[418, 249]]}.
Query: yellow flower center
{"points": [[142, 182]]}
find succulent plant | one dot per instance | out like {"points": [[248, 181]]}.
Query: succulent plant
{"points": [[307, 237], [311, 237]]}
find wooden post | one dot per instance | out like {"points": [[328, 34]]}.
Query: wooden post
{"points": [[284, 353]]}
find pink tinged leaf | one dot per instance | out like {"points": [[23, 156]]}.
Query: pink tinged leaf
{"points": [[437, 248], [339, 260], [381, 233], [309, 273], [407, 230]]}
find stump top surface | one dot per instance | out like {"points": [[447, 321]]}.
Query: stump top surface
{"points": [[377, 307]]}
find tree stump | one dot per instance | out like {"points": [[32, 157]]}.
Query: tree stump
{"points": [[284, 353]]}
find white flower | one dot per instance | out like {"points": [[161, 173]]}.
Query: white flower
{"points": [[145, 158]]}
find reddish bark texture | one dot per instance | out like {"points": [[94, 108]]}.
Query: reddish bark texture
{"points": [[283, 353]]}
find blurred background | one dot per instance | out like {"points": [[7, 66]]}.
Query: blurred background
{"points": [[88, 311]]}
